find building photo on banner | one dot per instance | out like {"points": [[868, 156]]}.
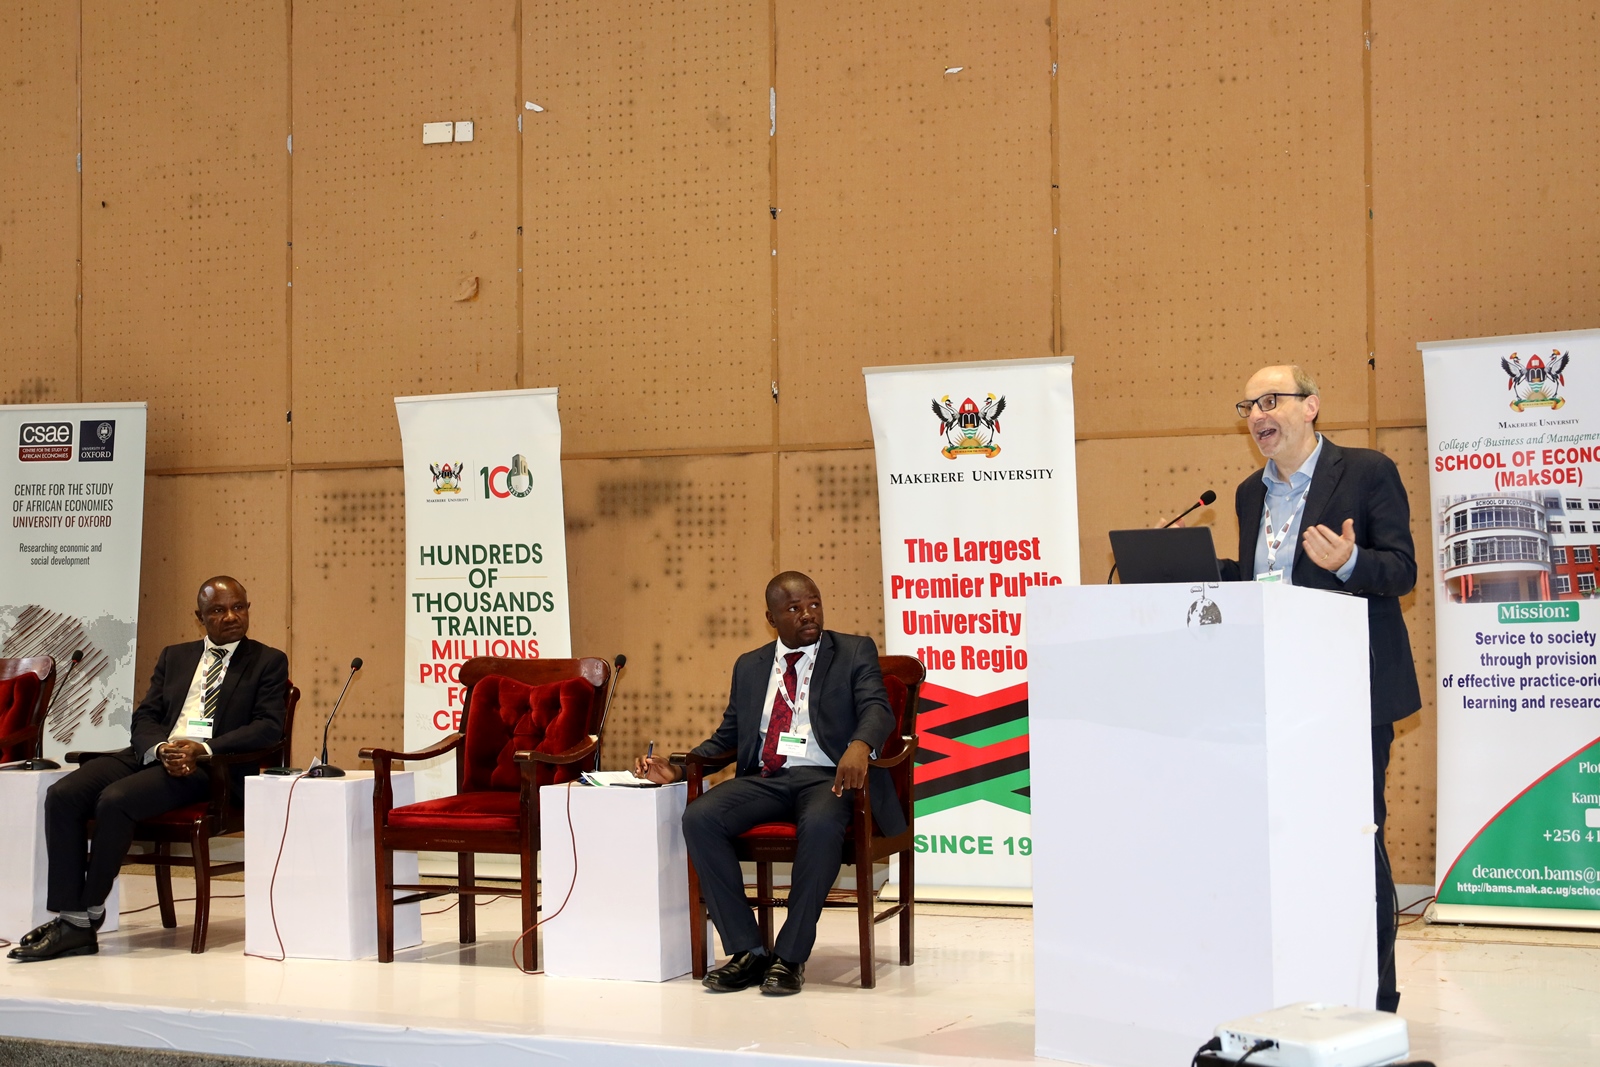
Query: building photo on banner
{"points": [[978, 503], [69, 572], [1514, 458]]}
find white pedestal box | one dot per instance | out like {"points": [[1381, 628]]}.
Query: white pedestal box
{"points": [[628, 916], [1202, 812], [325, 897], [23, 874]]}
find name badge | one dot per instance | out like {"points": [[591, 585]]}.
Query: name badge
{"points": [[791, 744], [1270, 576], [199, 729]]}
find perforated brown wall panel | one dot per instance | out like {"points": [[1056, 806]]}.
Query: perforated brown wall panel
{"points": [[1212, 205], [645, 194], [38, 201], [349, 600], [183, 164], [201, 525], [914, 220], [1484, 119], [828, 528], [668, 559], [388, 231]]}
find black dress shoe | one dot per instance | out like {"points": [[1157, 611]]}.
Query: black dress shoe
{"points": [[33, 937], [57, 939], [744, 970], [784, 979]]}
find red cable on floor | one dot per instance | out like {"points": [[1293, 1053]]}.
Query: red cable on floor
{"points": [[534, 888], [272, 886]]}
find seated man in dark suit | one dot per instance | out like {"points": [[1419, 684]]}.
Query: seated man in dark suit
{"points": [[804, 715], [223, 694]]}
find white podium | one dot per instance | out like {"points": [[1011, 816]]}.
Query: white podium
{"points": [[628, 916], [1202, 812], [325, 897], [22, 876]]}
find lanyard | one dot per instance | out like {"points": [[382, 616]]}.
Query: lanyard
{"points": [[1274, 542], [802, 680]]}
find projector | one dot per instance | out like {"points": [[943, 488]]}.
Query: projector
{"points": [[1316, 1035]]}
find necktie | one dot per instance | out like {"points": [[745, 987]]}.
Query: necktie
{"points": [[213, 690], [780, 720]]}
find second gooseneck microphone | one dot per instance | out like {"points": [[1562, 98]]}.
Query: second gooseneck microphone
{"points": [[324, 769]]}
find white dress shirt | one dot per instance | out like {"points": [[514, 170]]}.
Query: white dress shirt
{"points": [[800, 722]]}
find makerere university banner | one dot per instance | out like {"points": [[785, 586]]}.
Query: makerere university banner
{"points": [[69, 572], [1514, 454], [486, 556], [978, 502]]}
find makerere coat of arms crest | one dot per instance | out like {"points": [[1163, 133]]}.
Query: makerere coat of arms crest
{"points": [[969, 430], [446, 477], [1538, 384]]}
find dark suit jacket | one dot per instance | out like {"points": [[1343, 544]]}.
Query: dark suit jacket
{"points": [[1359, 484], [250, 713], [847, 703]]}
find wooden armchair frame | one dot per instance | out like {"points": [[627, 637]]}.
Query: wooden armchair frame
{"points": [[44, 667]]}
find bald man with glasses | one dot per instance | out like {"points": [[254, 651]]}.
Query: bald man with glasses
{"points": [[1327, 517]]}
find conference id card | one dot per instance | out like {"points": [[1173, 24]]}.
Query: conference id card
{"points": [[791, 744], [1270, 576], [198, 729]]}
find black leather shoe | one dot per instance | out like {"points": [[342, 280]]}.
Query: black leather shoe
{"points": [[57, 939], [784, 979], [32, 937], [744, 970]]}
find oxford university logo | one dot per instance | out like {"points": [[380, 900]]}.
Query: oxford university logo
{"points": [[969, 430], [1539, 383]]}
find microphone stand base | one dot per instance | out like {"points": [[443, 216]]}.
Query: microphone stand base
{"points": [[324, 770], [40, 765]]}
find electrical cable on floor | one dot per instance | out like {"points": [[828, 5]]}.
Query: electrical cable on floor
{"points": [[529, 932], [180, 900], [272, 886], [475, 903]]}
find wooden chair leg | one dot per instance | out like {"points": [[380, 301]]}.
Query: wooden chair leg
{"points": [[383, 869], [169, 914], [468, 919], [200, 850], [866, 929], [908, 907], [530, 908], [764, 902], [697, 926]]}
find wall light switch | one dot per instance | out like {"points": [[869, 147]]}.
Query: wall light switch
{"points": [[463, 130], [438, 132]]}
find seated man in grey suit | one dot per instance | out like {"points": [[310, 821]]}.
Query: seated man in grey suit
{"points": [[222, 694], [804, 715]]}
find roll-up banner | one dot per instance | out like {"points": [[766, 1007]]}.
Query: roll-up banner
{"points": [[978, 502], [1514, 456], [69, 572], [486, 555]]}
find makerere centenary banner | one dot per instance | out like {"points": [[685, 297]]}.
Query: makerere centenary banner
{"points": [[486, 556], [977, 502], [1514, 454], [69, 570]]}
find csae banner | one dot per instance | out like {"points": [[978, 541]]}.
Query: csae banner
{"points": [[1514, 461], [977, 502], [486, 557], [69, 572]]}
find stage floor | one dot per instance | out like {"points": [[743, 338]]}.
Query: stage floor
{"points": [[1527, 1000]]}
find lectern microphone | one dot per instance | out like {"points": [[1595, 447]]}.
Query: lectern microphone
{"points": [[324, 769], [1207, 498], [38, 762], [616, 672]]}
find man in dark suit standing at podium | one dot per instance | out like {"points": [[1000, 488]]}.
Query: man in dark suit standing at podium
{"points": [[1327, 517], [222, 694], [804, 715]]}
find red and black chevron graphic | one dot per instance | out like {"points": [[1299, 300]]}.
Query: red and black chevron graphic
{"points": [[972, 748]]}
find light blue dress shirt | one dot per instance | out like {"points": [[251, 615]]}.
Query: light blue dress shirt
{"points": [[1283, 499]]}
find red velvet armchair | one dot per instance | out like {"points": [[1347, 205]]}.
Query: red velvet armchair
{"points": [[25, 688], [528, 723], [774, 842]]}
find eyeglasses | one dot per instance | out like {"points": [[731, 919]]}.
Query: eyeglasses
{"points": [[1266, 402]]}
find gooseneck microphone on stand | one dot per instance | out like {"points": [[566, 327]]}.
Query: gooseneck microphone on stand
{"points": [[324, 769], [1207, 498], [38, 762], [616, 672]]}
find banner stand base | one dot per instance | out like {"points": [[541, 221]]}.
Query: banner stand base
{"points": [[1489, 915]]}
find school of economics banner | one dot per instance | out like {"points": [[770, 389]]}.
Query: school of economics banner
{"points": [[977, 503], [486, 556], [1514, 453], [69, 570]]}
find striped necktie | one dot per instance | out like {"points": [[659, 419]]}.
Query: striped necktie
{"points": [[213, 691]]}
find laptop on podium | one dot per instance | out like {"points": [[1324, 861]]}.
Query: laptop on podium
{"points": [[1174, 554]]}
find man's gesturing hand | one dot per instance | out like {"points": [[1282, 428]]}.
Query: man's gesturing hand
{"points": [[852, 772], [180, 757], [1327, 549]]}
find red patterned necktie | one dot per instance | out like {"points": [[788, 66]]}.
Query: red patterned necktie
{"points": [[780, 720]]}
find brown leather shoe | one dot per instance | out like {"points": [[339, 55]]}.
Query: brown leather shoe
{"points": [[744, 970], [784, 979]]}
